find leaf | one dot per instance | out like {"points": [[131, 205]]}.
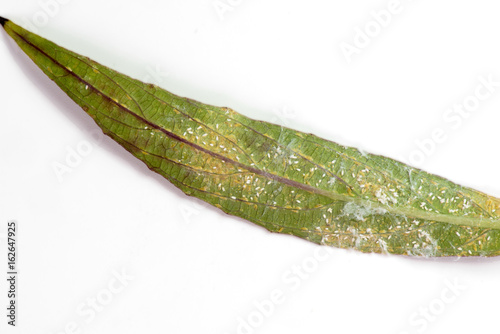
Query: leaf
{"points": [[284, 180]]}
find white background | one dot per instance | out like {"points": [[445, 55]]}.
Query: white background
{"points": [[194, 269]]}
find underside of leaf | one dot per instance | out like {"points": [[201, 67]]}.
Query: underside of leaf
{"points": [[284, 180]]}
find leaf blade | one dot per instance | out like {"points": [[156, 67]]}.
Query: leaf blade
{"points": [[284, 180]]}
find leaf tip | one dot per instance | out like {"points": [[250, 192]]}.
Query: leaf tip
{"points": [[3, 20]]}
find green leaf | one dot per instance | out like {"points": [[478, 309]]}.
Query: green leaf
{"points": [[284, 180]]}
